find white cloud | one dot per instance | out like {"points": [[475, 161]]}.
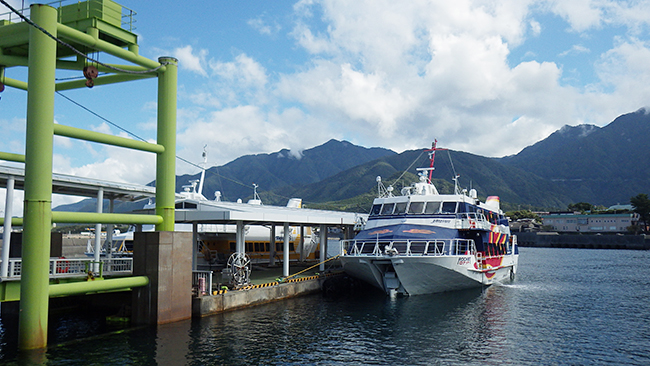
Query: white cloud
{"points": [[580, 14], [625, 69], [535, 27], [575, 49], [241, 81], [187, 59], [244, 70], [261, 26]]}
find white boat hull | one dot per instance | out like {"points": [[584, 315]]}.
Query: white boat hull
{"points": [[415, 275]]}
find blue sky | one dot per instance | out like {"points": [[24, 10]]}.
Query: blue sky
{"points": [[486, 77]]}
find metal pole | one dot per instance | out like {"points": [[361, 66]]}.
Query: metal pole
{"points": [[195, 243], [239, 238], [109, 230], [301, 245], [34, 293], [166, 161], [272, 245], [6, 236], [285, 254], [98, 230], [323, 246]]}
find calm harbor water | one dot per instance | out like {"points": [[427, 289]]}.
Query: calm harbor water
{"points": [[566, 307]]}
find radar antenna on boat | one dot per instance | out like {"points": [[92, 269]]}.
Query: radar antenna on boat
{"points": [[256, 200], [432, 157], [383, 191], [455, 179], [255, 195]]}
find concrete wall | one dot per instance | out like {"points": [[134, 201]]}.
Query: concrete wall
{"points": [[166, 258], [587, 241], [210, 305]]}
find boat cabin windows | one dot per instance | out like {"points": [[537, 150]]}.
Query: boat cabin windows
{"points": [[376, 209], [400, 208], [416, 208], [448, 207], [432, 208], [387, 209], [464, 207], [186, 205]]}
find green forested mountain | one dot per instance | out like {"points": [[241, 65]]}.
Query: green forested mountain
{"points": [[602, 166], [489, 177], [270, 171]]}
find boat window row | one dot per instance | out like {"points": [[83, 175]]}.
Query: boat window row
{"points": [[431, 208], [254, 247]]}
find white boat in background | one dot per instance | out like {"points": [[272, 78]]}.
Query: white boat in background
{"points": [[425, 242], [216, 242]]}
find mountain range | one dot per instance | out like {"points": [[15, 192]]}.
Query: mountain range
{"points": [[585, 163]]}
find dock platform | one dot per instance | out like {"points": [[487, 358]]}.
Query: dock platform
{"points": [[266, 285]]}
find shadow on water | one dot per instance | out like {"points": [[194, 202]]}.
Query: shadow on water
{"points": [[366, 327]]}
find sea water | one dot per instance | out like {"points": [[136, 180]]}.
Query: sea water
{"points": [[565, 307]]}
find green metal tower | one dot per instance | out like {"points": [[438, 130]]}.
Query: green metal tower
{"points": [[45, 42]]}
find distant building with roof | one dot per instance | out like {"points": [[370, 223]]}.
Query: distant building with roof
{"points": [[619, 207], [583, 223]]}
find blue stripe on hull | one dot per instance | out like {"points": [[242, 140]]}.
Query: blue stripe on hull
{"points": [[408, 232]]}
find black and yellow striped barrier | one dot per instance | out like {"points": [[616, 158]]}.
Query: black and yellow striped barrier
{"points": [[275, 283]]}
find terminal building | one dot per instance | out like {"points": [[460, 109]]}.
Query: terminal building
{"points": [[585, 223]]}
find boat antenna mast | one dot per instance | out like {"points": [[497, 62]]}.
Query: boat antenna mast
{"points": [[432, 157], [255, 195], [205, 163], [383, 191]]}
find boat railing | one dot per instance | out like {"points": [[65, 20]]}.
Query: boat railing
{"points": [[438, 247], [472, 220]]}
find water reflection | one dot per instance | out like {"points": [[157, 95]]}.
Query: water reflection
{"points": [[372, 329], [559, 311]]}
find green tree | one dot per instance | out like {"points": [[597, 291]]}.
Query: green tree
{"points": [[641, 204], [522, 214], [580, 206]]}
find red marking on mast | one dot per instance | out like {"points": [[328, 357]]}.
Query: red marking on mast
{"points": [[432, 156]]}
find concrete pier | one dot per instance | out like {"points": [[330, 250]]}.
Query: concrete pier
{"points": [[164, 257], [257, 295], [584, 241]]}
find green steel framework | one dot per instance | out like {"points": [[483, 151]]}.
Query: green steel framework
{"points": [[42, 61]]}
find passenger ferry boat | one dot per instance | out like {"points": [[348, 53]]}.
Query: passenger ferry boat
{"points": [[425, 242]]}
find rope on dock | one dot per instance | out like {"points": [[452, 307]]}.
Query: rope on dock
{"points": [[288, 279]]}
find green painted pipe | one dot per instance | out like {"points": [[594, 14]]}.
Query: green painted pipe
{"points": [[34, 303], [18, 84], [166, 136], [12, 157], [104, 218], [82, 134], [72, 34], [10, 61], [14, 34], [104, 80], [98, 285], [15, 221]]}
